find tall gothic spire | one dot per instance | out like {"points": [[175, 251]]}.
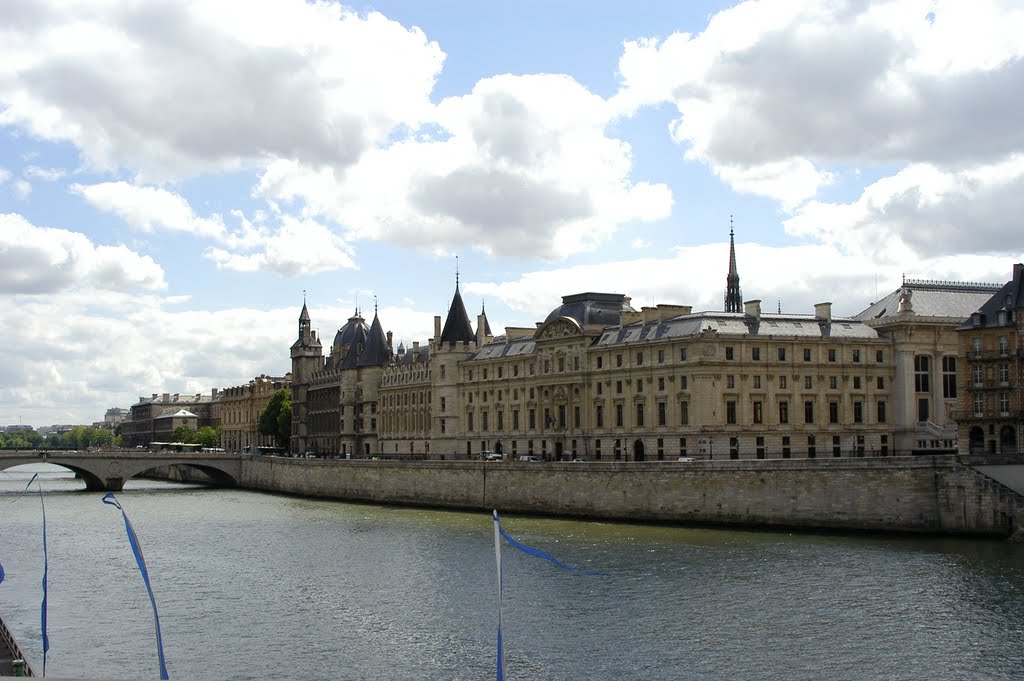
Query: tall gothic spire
{"points": [[733, 295]]}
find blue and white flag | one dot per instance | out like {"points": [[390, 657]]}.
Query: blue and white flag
{"points": [[141, 561]]}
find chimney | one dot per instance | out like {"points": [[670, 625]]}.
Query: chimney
{"points": [[415, 351], [823, 311], [390, 346], [167, 397], [437, 328], [649, 314], [480, 338], [752, 308]]}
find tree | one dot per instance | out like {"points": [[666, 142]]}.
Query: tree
{"points": [[276, 419], [184, 434], [208, 436]]}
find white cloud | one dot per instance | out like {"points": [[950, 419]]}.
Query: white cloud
{"points": [[185, 88], [521, 167], [4, 175], [45, 174], [774, 96], [22, 189], [924, 210], [297, 247], [796, 277], [46, 260]]}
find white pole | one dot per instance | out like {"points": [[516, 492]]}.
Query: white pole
{"points": [[501, 628]]}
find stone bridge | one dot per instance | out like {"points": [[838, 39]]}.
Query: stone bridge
{"points": [[107, 471]]}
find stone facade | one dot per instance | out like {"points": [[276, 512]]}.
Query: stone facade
{"points": [[991, 410], [240, 409], [600, 381], [144, 425]]}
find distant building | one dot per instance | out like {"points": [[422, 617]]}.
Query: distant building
{"points": [[920, 320], [991, 412], [114, 416], [145, 424], [240, 409], [15, 428], [598, 379]]}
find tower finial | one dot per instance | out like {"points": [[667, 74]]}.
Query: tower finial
{"points": [[456, 270], [375, 305], [733, 295]]}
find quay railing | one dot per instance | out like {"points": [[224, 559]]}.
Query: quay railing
{"points": [[19, 664]]}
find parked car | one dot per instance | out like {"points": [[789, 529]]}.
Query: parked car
{"points": [[685, 459], [528, 458], [493, 456]]}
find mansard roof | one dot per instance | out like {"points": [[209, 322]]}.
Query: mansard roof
{"points": [[948, 299], [738, 324], [353, 332], [501, 347], [1009, 297], [457, 327]]}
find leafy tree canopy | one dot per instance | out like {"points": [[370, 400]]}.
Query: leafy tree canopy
{"points": [[276, 419]]}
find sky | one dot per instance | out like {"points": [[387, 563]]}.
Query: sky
{"points": [[177, 177]]}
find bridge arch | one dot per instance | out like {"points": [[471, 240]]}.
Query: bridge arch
{"points": [[108, 471]]}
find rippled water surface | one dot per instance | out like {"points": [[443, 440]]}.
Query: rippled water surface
{"points": [[256, 586]]}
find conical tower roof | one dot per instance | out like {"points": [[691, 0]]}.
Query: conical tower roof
{"points": [[486, 325], [376, 352], [457, 327], [733, 294]]}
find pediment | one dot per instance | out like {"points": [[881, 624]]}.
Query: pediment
{"points": [[559, 327]]}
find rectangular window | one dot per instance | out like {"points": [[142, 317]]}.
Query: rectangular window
{"points": [[949, 377], [618, 360], [879, 356], [639, 385], [515, 419], [469, 422], [880, 383], [683, 383], [730, 381], [807, 354], [639, 358], [728, 352], [808, 383], [533, 419], [599, 416], [782, 354], [1004, 345], [639, 415], [783, 412], [976, 374], [575, 417], [856, 382], [618, 387], [786, 451], [1004, 373], [684, 413], [661, 384], [599, 387], [812, 450], [682, 354], [547, 366], [833, 383], [600, 361], [881, 411], [561, 364], [833, 412], [922, 368], [1004, 403], [976, 347], [808, 412], [484, 421], [662, 418], [979, 404], [858, 412], [730, 412], [782, 382], [856, 355], [831, 354], [758, 415], [755, 354], [661, 356], [618, 415], [442, 405], [757, 382], [501, 420]]}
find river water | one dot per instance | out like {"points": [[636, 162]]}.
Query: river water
{"points": [[259, 586]]}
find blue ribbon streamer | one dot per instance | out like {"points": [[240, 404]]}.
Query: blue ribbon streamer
{"points": [[537, 553], [46, 570], [141, 561]]}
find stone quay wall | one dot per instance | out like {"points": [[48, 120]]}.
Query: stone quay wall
{"points": [[912, 494]]}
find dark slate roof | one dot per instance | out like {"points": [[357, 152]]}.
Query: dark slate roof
{"points": [[1009, 297], [304, 315], [457, 327], [603, 309], [487, 326], [376, 351], [737, 324], [353, 332], [409, 357], [947, 299], [501, 347]]}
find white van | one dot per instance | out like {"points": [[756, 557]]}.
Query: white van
{"points": [[527, 458]]}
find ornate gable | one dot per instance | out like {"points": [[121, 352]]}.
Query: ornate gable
{"points": [[559, 327]]}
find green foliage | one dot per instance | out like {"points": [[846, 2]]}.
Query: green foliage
{"points": [[184, 434], [79, 437], [276, 419], [208, 436]]}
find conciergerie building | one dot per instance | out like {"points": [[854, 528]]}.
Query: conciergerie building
{"points": [[598, 380]]}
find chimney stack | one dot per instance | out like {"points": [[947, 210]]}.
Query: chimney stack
{"points": [[752, 308], [823, 311]]}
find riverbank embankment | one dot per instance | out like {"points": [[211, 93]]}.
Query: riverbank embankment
{"points": [[935, 494]]}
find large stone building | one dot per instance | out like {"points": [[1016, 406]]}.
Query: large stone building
{"points": [[599, 380], [991, 410], [149, 419], [240, 409]]}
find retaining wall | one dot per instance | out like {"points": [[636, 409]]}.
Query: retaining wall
{"points": [[912, 494]]}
